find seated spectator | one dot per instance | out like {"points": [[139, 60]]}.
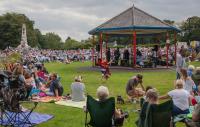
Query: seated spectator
{"points": [[180, 99], [196, 76], [152, 96], [18, 72], [147, 88], [131, 89], [41, 74], [195, 122], [29, 83], [102, 95], [78, 89], [190, 70], [29, 80], [55, 87]]}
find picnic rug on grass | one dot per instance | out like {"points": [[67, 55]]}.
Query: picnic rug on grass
{"points": [[47, 99], [35, 118], [71, 103]]}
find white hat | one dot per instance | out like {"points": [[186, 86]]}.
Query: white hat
{"points": [[78, 78]]}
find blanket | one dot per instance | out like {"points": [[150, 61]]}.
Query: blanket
{"points": [[47, 99], [71, 103], [35, 118]]}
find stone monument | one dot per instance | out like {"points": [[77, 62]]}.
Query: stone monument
{"points": [[23, 44]]}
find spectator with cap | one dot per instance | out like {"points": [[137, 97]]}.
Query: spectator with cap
{"points": [[78, 89]]}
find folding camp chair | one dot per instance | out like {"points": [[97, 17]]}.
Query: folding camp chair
{"points": [[142, 114], [12, 113], [101, 112], [159, 115]]}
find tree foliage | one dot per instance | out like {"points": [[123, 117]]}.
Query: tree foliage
{"points": [[51, 41], [10, 34], [191, 29], [11, 27]]}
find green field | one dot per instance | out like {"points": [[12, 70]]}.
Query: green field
{"points": [[73, 117]]}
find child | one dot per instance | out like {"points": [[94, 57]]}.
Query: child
{"points": [[147, 88], [190, 70], [152, 96], [105, 69]]}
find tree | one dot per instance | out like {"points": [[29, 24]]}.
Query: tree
{"points": [[72, 44], [191, 29], [11, 27], [40, 38], [51, 41]]}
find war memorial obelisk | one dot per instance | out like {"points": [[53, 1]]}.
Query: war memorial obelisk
{"points": [[23, 44]]}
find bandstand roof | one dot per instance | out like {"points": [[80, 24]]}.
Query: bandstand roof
{"points": [[133, 19]]}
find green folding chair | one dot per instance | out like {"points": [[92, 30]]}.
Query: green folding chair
{"points": [[159, 115], [101, 112], [142, 114]]}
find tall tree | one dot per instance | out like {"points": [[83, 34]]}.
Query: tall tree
{"points": [[11, 27], [191, 29], [51, 41], [72, 44]]}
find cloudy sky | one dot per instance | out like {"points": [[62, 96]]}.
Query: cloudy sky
{"points": [[75, 18]]}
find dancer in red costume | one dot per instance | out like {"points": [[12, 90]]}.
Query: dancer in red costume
{"points": [[104, 64]]}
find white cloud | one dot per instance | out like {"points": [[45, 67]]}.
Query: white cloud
{"points": [[75, 18]]}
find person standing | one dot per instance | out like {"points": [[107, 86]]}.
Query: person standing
{"points": [[108, 54], [155, 56], [117, 56], [126, 57], [180, 63]]}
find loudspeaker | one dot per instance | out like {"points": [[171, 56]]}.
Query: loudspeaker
{"points": [[98, 47]]}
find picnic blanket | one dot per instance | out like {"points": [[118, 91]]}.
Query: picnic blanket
{"points": [[47, 99], [181, 117], [35, 118], [71, 103]]}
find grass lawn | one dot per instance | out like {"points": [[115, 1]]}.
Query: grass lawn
{"points": [[73, 117]]}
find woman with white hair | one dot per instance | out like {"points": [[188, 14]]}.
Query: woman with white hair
{"points": [[180, 98], [78, 89], [102, 93]]}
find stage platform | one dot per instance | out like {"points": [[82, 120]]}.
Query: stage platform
{"points": [[137, 69]]}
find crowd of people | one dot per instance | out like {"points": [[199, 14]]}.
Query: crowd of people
{"points": [[38, 82], [147, 56], [48, 55]]}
